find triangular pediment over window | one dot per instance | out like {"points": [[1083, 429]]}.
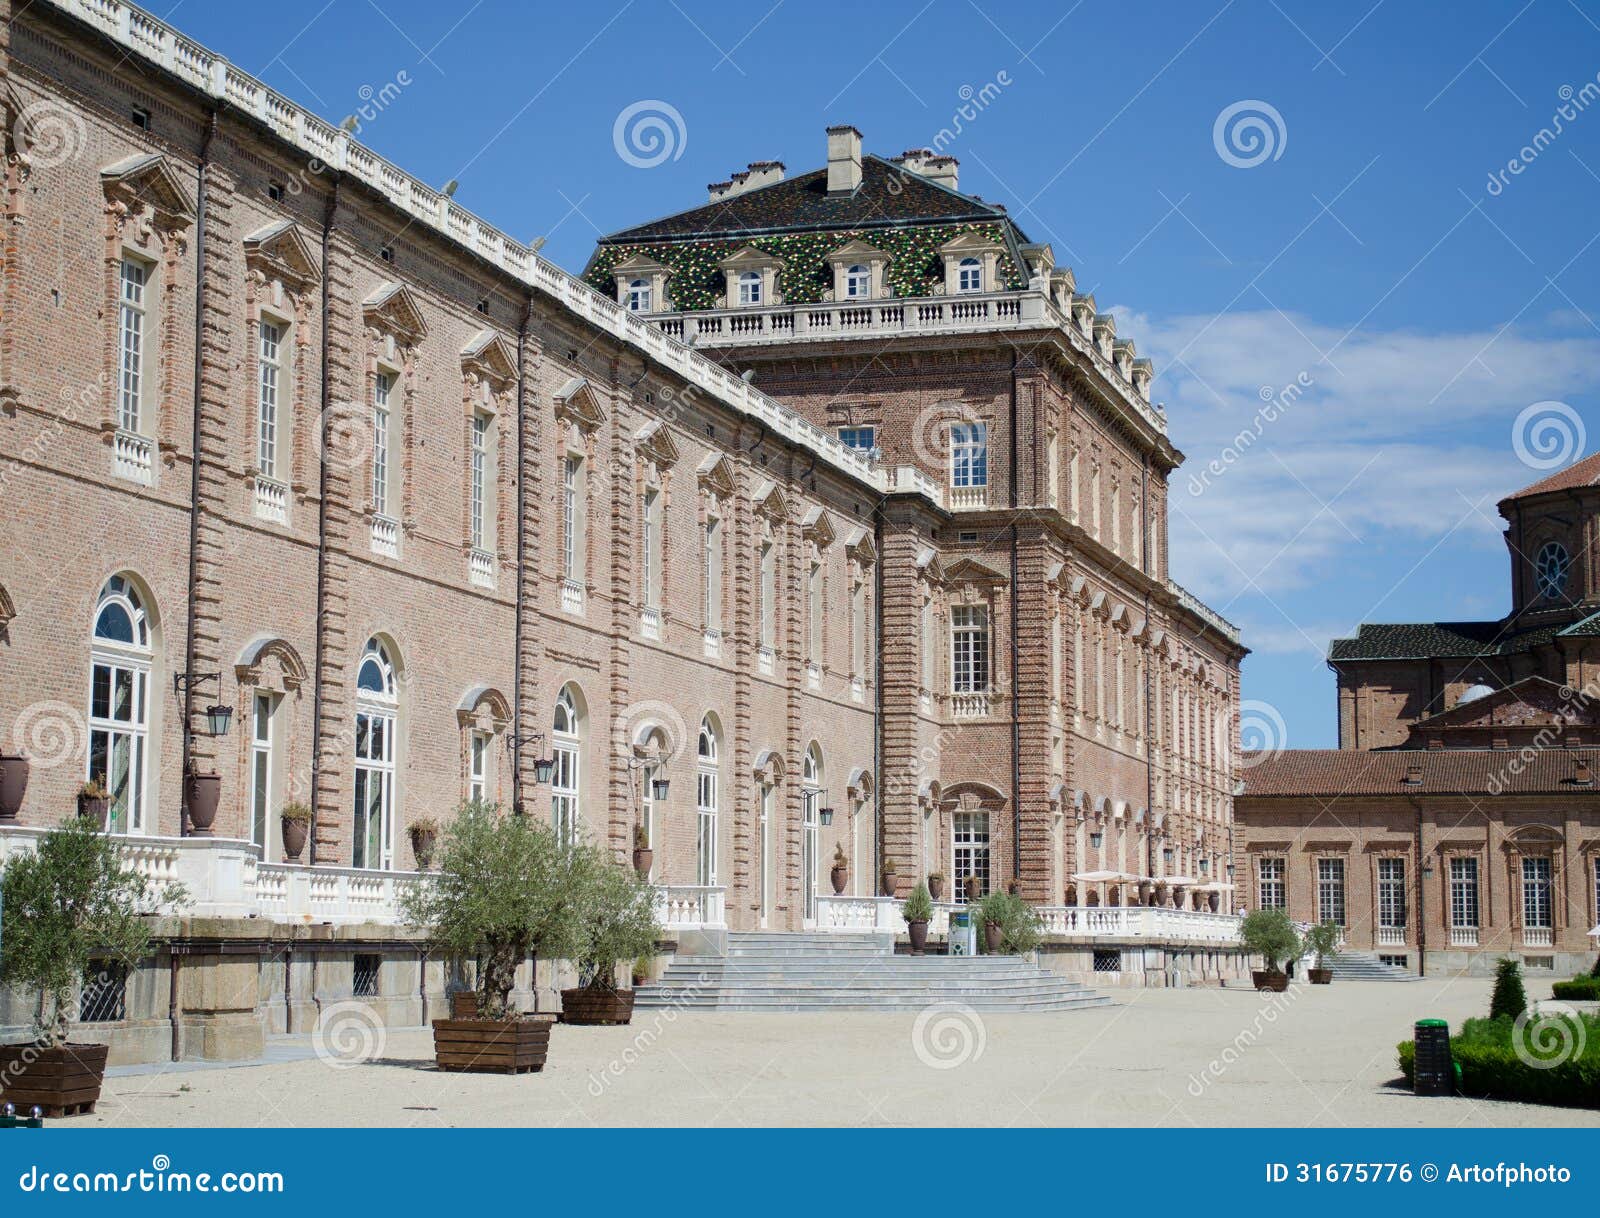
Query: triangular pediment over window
{"points": [[148, 180], [491, 357], [770, 502], [577, 402], [639, 264], [716, 475], [969, 243], [280, 251], [859, 546], [973, 570], [857, 251], [655, 444], [818, 528], [750, 259], [392, 309]]}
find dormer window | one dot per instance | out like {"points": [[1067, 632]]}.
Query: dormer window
{"points": [[857, 282], [969, 275], [1551, 569], [750, 288], [639, 296]]}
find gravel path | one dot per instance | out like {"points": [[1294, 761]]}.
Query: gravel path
{"points": [[1315, 1057]]}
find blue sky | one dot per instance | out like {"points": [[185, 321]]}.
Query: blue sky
{"points": [[1366, 255]]}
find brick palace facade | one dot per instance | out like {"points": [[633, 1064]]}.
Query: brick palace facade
{"points": [[832, 504]]}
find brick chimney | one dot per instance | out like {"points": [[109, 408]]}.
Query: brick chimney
{"points": [[844, 160], [1414, 774], [1582, 776]]}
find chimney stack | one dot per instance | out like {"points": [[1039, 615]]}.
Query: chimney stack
{"points": [[1414, 775], [844, 160], [1582, 777]]}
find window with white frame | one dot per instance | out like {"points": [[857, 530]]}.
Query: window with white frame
{"points": [[712, 566], [479, 494], [566, 809], [382, 387], [812, 776], [863, 439], [814, 613], [121, 655], [769, 594], [1270, 893], [377, 712], [134, 278], [1464, 892], [1330, 891], [639, 295], [1597, 890], [750, 288], [261, 772], [572, 518], [928, 642], [859, 627], [1392, 892], [969, 649], [480, 767], [1536, 902], [269, 382], [857, 282], [969, 275], [969, 454], [969, 836], [650, 577], [708, 781]]}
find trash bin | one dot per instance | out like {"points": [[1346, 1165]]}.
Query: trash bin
{"points": [[1434, 1071], [963, 934]]}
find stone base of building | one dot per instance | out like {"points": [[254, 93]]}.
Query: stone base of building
{"points": [[1538, 964], [1112, 963]]}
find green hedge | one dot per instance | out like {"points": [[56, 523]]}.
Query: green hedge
{"points": [[1583, 987], [1485, 1052]]}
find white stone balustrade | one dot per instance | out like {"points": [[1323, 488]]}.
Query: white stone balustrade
{"points": [[691, 906]]}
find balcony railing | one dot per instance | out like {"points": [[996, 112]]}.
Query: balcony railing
{"points": [[1463, 936], [480, 568], [272, 500], [1137, 922], [650, 622], [386, 536], [1391, 936], [969, 705], [691, 906], [765, 660], [968, 497], [132, 456], [572, 595], [343, 895], [1538, 936]]}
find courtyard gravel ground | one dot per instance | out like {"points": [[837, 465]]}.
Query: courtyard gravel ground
{"points": [[1318, 1056]]}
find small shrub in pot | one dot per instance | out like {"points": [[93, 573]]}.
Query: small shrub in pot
{"points": [[918, 911]]}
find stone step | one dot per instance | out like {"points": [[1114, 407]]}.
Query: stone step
{"points": [[981, 1005]]}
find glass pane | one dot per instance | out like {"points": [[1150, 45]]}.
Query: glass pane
{"points": [[258, 810], [100, 693], [358, 841], [122, 695], [114, 624]]}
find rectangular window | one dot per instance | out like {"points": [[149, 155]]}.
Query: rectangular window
{"points": [[858, 629], [571, 473], [479, 493], [769, 595], [564, 794], [863, 438], [368, 968], [814, 614], [1464, 892], [261, 772], [969, 649], [269, 375], [970, 852], [1392, 892], [713, 574], [130, 345], [382, 386], [706, 827], [928, 641], [105, 992], [1330, 891], [1269, 874], [373, 844], [480, 769], [969, 454], [651, 575], [1536, 904]]}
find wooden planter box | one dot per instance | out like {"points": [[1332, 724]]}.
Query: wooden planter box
{"points": [[61, 1082], [596, 1006], [1269, 982], [464, 1004], [492, 1046], [1320, 976]]}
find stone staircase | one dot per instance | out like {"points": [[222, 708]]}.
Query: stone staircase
{"points": [[1365, 966], [774, 971]]}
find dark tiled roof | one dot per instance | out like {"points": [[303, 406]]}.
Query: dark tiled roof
{"points": [[1579, 473], [888, 195], [1333, 772], [1451, 640]]}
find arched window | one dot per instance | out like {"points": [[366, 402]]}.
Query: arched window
{"points": [[707, 793], [750, 288], [377, 712], [639, 295], [567, 750], [858, 282], [969, 275], [119, 703], [811, 796], [1551, 569]]}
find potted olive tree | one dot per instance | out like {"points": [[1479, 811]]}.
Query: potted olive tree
{"points": [[839, 873], [918, 912], [71, 902], [1323, 940], [295, 820], [616, 921], [94, 803], [1268, 933], [503, 889], [1010, 925]]}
